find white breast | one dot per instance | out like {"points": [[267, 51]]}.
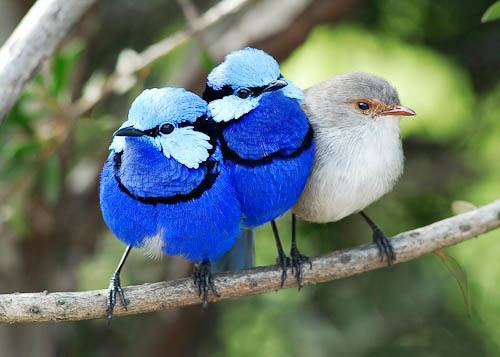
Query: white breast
{"points": [[354, 167]]}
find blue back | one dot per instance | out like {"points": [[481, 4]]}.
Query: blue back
{"points": [[276, 126], [266, 137], [275, 137]]}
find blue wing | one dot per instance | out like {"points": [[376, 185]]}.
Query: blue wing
{"points": [[276, 125]]}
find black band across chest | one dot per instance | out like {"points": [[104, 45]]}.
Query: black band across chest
{"points": [[232, 155], [211, 175]]}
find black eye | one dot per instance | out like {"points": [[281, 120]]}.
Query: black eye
{"points": [[243, 93], [167, 128], [363, 105]]}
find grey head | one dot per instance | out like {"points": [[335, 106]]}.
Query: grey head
{"points": [[353, 99]]}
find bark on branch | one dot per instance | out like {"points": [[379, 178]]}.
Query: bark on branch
{"points": [[74, 306], [35, 39]]}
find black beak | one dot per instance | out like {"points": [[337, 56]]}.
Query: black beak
{"points": [[129, 131], [275, 85]]}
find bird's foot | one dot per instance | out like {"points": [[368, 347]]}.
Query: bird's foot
{"points": [[298, 260], [204, 282], [284, 262], [114, 288], [384, 246]]}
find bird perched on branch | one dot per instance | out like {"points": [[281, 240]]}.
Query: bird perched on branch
{"points": [[165, 188], [265, 138], [359, 154]]}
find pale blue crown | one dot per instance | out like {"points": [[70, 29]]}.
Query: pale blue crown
{"points": [[155, 107], [248, 67]]}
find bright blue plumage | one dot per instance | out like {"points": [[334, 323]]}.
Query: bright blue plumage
{"points": [[249, 67], [165, 186], [265, 138], [201, 228], [271, 136]]}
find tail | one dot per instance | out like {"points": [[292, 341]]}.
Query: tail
{"points": [[241, 256]]}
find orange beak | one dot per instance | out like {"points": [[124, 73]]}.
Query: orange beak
{"points": [[399, 110]]}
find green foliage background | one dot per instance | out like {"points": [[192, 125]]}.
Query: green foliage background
{"points": [[452, 151]]}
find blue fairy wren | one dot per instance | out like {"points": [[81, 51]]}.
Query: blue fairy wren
{"points": [[165, 188], [359, 155], [265, 138]]}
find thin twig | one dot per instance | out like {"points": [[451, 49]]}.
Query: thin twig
{"points": [[190, 11], [136, 62], [192, 15], [74, 306], [34, 40]]}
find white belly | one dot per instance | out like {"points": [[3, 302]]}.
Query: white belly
{"points": [[152, 247], [354, 167]]}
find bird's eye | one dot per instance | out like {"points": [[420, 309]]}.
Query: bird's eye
{"points": [[363, 105], [243, 93], [167, 128]]}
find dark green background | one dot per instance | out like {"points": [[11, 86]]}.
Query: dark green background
{"points": [[445, 65]]}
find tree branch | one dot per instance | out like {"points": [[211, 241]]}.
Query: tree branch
{"points": [[74, 306], [130, 63], [35, 39]]}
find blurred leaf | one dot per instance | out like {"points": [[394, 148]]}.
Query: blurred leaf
{"points": [[492, 13], [424, 78], [124, 83], [207, 60], [482, 149], [126, 66], [19, 116], [172, 68], [459, 207], [128, 62], [18, 220], [18, 156], [393, 17], [63, 65], [51, 179], [94, 87], [459, 274]]}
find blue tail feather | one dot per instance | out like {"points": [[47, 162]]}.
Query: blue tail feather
{"points": [[241, 256]]}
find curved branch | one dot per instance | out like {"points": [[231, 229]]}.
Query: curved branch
{"points": [[35, 39], [73, 306]]}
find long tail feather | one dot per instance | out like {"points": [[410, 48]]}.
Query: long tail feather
{"points": [[241, 256]]}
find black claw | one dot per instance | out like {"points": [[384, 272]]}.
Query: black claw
{"points": [[114, 288], [298, 260], [204, 282], [384, 247], [284, 262]]}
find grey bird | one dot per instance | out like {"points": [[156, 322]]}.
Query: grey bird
{"points": [[359, 155]]}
